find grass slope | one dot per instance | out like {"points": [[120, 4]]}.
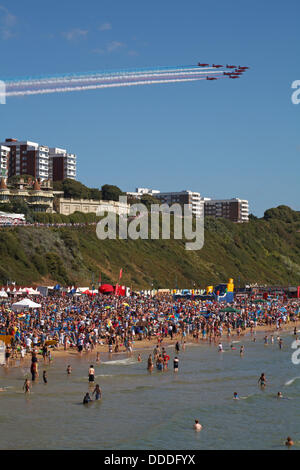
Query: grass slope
{"points": [[265, 250]]}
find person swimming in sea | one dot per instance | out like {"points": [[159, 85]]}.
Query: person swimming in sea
{"points": [[197, 425], [91, 373], [235, 396], [45, 378], [86, 399], [97, 392], [289, 442], [150, 363], [69, 370], [262, 380], [26, 386], [176, 364]]}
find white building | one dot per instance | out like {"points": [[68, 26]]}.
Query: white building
{"points": [[62, 165], [4, 157], [190, 198], [37, 160], [139, 192]]}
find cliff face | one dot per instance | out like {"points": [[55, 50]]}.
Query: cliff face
{"points": [[264, 250]]}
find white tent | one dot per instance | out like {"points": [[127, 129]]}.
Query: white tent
{"points": [[3, 293], [25, 304]]}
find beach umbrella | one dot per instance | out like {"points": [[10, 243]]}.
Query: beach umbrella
{"points": [[106, 289]]}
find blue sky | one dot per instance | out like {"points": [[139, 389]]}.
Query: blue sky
{"points": [[227, 138]]}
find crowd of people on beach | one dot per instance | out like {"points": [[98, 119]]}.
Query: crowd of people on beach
{"points": [[118, 324], [83, 323]]}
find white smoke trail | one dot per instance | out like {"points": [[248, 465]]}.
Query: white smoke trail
{"points": [[106, 75], [91, 79], [94, 87]]}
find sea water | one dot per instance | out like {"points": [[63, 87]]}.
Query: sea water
{"points": [[157, 411]]}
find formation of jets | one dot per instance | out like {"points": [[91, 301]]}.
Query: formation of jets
{"points": [[235, 72]]}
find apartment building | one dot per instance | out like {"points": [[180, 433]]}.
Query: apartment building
{"points": [[4, 160], [27, 158], [235, 209], [190, 198], [39, 161], [62, 165]]}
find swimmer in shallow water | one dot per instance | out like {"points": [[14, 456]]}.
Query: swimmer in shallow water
{"points": [[27, 386], [289, 442], [235, 396], [97, 392], [150, 363], [197, 425], [91, 373], [86, 399], [262, 380]]}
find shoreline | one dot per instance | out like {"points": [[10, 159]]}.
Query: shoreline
{"points": [[143, 345]]}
